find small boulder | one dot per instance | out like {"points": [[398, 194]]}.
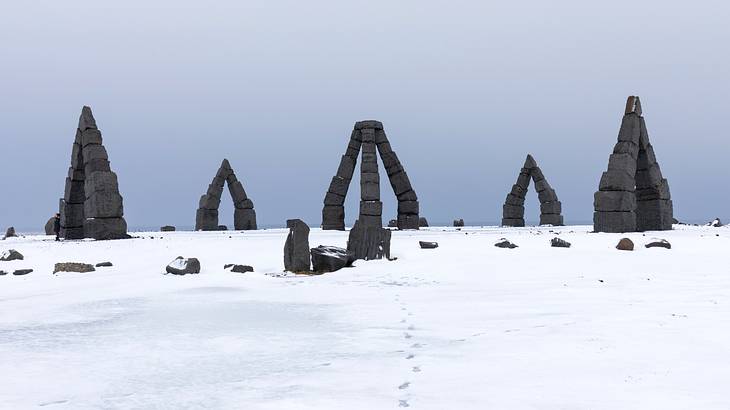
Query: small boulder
{"points": [[3, 273], [183, 266], [10, 233], [222, 228], [625, 244], [428, 245], [296, 247], [238, 268], [167, 228], [104, 264], [504, 243], [659, 243], [458, 222], [422, 222], [393, 223], [331, 258], [73, 267], [49, 226], [715, 223], [559, 243], [21, 272], [11, 255]]}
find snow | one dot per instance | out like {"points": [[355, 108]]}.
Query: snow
{"points": [[464, 326]]}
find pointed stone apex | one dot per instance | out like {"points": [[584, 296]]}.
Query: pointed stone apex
{"points": [[226, 165], [633, 105], [86, 120], [530, 162]]}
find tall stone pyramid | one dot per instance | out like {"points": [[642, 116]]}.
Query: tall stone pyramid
{"points": [[91, 206], [369, 137], [513, 210], [632, 195], [244, 216]]}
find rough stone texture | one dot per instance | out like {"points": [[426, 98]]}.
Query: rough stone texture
{"points": [[559, 243], [632, 195], [504, 243], [296, 247], [239, 268], [244, 215], [11, 255], [422, 222], [10, 233], [428, 245], [183, 266], [369, 242], [92, 206], [625, 244], [21, 272], [73, 267], [369, 140], [330, 258], [458, 222], [48, 228], [167, 228], [513, 210]]}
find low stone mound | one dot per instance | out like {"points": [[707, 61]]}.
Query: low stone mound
{"points": [[625, 244], [559, 243], [183, 266], [458, 222], [422, 222], [21, 272], [10, 233], [506, 244], [73, 267], [331, 258], [238, 268], [659, 243], [104, 264], [11, 255], [428, 245], [167, 228]]}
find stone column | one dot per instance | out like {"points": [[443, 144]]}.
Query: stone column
{"points": [[371, 209], [333, 212]]}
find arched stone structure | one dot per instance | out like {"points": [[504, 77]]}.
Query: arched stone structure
{"points": [[513, 210], [244, 216], [632, 195]]}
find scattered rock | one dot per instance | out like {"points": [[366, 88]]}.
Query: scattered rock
{"points": [[559, 243], [393, 223], [3, 273], [183, 266], [428, 245], [422, 222], [296, 247], [21, 272], [504, 243], [11, 255], [167, 228], [715, 223], [104, 264], [458, 222], [659, 243], [238, 268], [10, 233], [49, 226], [625, 244], [222, 228], [330, 258], [73, 267]]}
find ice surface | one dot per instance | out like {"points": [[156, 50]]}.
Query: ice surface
{"points": [[464, 326]]}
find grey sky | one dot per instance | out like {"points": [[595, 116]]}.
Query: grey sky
{"points": [[465, 90]]}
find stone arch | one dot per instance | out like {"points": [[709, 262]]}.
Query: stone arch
{"points": [[513, 210], [91, 206], [244, 216], [369, 137], [632, 194]]}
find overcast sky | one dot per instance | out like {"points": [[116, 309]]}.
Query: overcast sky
{"points": [[465, 90]]}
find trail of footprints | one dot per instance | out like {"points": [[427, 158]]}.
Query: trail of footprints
{"points": [[410, 352]]}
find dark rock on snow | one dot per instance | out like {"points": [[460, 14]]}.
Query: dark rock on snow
{"points": [[660, 243], [104, 264], [625, 244], [11, 255], [73, 267], [3, 273], [559, 243], [393, 223], [296, 247], [330, 258], [422, 222], [49, 226], [428, 245], [715, 223], [167, 228], [21, 272], [458, 222], [238, 268], [369, 242], [10, 233], [504, 243], [183, 266]]}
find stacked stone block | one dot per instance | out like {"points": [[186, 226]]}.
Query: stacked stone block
{"points": [[370, 137], [632, 194], [91, 206], [244, 215], [513, 210]]}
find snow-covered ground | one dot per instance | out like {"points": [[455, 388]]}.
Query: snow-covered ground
{"points": [[464, 326]]}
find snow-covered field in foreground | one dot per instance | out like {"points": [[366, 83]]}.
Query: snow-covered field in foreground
{"points": [[464, 326]]}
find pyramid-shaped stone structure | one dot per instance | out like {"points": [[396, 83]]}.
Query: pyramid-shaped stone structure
{"points": [[91, 206], [632, 194], [370, 138], [244, 216], [513, 210]]}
